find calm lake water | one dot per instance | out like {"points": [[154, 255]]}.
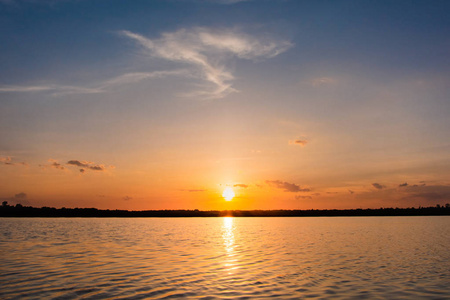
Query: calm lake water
{"points": [[225, 258]]}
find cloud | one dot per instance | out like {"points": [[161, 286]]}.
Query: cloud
{"points": [[302, 197], [206, 50], [351, 192], [241, 185], [431, 193], [135, 77], [7, 160], [102, 87], [298, 142], [403, 184], [126, 198], [286, 186], [56, 165], [86, 165], [20, 196], [378, 186], [320, 81], [57, 89]]}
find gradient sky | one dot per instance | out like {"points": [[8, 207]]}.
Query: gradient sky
{"points": [[163, 104]]}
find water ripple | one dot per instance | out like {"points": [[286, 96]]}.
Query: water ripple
{"points": [[225, 258]]}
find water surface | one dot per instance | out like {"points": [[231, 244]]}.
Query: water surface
{"points": [[225, 258]]}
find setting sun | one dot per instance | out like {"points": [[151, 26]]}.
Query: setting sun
{"points": [[228, 194]]}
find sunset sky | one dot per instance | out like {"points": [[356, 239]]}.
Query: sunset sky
{"points": [[165, 104]]}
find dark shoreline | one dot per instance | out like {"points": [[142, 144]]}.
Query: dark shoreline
{"points": [[28, 211]]}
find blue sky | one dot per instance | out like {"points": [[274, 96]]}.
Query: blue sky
{"points": [[175, 96]]}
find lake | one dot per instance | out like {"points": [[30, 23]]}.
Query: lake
{"points": [[225, 258]]}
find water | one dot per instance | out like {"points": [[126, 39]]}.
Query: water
{"points": [[225, 258]]}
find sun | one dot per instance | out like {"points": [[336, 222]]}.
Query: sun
{"points": [[228, 194]]}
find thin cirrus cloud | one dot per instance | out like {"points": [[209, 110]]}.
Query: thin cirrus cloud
{"points": [[286, 186], [206, 50], [102, 87]]}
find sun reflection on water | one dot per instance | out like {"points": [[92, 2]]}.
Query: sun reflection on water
{"points": [[229, 244]]}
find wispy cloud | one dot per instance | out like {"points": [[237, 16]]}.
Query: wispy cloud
{"points": [[206, 50], [286, 186], [298, 197], [101, 87], [135, 77], [7, 160], [298, 142], [321, 81], [241, 185]]}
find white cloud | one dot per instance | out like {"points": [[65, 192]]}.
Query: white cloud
{"points": [[207, 50], [127, 78], [18, 88], [321, 81]]}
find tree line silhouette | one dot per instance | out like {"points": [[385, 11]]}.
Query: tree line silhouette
{"points": [[28, 211]]}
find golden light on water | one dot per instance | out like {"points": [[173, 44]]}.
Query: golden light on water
{"points": [[228, 194], [230, 262]]}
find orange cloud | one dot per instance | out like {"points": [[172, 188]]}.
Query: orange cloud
{"points": [[298, 142]]}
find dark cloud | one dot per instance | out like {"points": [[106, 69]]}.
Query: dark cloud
{"points": [[78, 163], [57, 165], [351, 192], [403, 184], [7, 160], [302, 197], [86, 165], [97, 168], [378, 186], [241, 185], [20, 196], [298, 142], [286, 186], [126, 198], [82, 170], [431, 193]]}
